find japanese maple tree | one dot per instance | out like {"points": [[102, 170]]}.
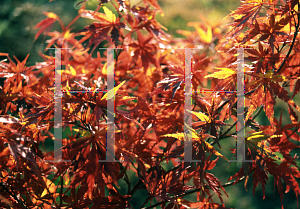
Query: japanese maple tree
{"points": [[149, 109]]}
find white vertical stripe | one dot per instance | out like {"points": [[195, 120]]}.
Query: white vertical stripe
{"points": [[188, 146], [240, 106], [57, 108]]}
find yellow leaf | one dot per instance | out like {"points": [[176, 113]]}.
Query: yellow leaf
{"points": [[67, 179], [275, 136], [82, 132], [206, 37], [51, 186], [51, 15], [257, 135], [67, 34], [68, 88], [210, 147], [256, 138], [222, 74], [111, 93], [72, 70], [200, 115], [110, 15], [179, 136], [104, 69], [147, 166], [128, 97]]}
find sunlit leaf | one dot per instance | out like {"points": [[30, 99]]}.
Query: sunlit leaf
{"points": [[110, 15], [200, 115], [222, 74], [111, 93]]}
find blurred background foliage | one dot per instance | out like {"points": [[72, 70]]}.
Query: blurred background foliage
{"points": [[18, 18], [17, 21]]}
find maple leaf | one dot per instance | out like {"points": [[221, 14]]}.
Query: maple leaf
{"points": [[19, 151], [144, 49], [210, 124], [110, 94], [201, 116], [148, 125], [155, 4], [247, 11], [222, 74], [175, 80], [145, 19], [47, 23], [18, 68], [51, 185], [261, 58], [257, 144], [196, 136], [266, 86], [205, 37], [109, 23]]}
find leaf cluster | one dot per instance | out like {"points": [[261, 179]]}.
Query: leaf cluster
{"points": [[149, 109]]}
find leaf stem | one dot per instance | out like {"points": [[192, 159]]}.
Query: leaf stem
{"points": [[292, 45], [260, 109], [196, 190], [61, 190], [13, 195]]}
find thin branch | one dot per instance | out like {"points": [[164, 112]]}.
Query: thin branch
{"points": [[61, 190], [260, 109], [196, 190], [250, 92], [292, 45], [232, 183], [11, 193], [126, 178]]}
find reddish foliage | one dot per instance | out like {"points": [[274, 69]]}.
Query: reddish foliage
{"points": [[149, 107]]}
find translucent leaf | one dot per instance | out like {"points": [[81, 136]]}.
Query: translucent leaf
{"points": [[110, 15], [73, 71], [258, 136], [222, 74], [50, 185], [180, 136], [204, 36], [212, 149], [200, 115], [51, 15], [111, 93]]}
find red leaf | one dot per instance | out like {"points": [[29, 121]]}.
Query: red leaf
{"points": [[45, 24]]}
